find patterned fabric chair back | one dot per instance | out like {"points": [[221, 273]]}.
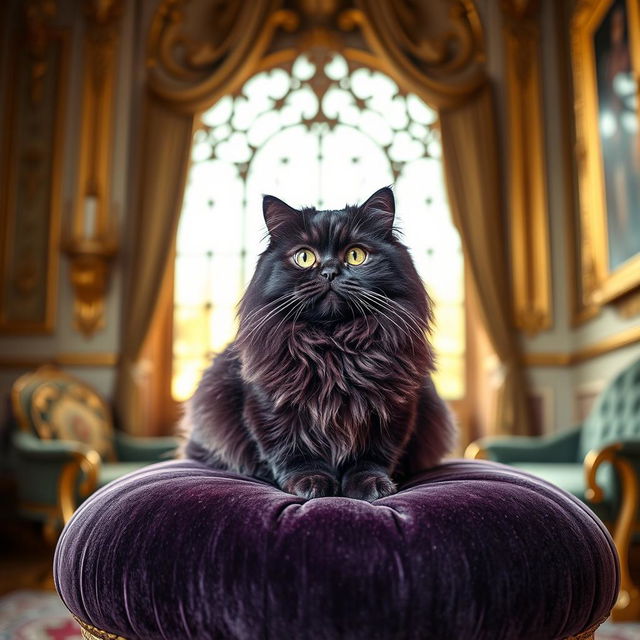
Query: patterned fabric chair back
{"points": [[53, 405], [616, 413]]}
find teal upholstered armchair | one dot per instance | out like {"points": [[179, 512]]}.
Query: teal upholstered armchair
{"points": [[597, 461], [66, 446]]}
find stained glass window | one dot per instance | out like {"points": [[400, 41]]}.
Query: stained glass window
{"points": [[322, 132]]}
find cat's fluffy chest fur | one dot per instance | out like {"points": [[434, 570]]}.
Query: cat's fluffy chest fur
{"points": [[343, 382]]}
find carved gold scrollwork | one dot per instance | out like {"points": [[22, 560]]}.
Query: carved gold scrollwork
{"points": [[195, 52], [530, 248], [38, 14], [189, 64], [447, 63]]}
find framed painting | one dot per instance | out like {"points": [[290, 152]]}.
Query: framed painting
{"points": [[606, 63]]}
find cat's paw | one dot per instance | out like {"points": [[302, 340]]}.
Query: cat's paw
{"points": [[311, 485], [367, 485]]}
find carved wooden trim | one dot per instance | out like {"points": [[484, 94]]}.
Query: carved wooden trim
{"points": [[530, 249], [447, 67]]}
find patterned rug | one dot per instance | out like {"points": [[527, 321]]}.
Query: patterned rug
{"points": [[36, 615], [39, 615]]}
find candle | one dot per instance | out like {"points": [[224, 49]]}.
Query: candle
{"points": [[90, 216]]}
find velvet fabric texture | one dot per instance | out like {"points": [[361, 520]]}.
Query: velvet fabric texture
{"points": [[468, 550]]}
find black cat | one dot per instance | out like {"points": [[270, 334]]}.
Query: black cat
{"points": [[327, 388]]}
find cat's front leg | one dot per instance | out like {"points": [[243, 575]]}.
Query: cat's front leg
{"points": [[366, 480], [307, 478]]}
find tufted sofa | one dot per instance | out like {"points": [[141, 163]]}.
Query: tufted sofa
{"points": [[597, 461]]}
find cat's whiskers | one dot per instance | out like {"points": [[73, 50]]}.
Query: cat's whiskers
{"points": [[382, 313], [301, 302], [250, 317], [300, 309], [291, 304], [369, 309], [362, 310], [411, 317], [387, 305], [293, 298], [397, 310]]}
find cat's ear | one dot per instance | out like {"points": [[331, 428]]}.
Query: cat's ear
{"points": [[277, 214], [381, 206]]}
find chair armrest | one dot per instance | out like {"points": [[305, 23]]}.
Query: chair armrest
{"points": [[32, 448], [134, 449], [560, 447], [72, 467], [622, 454]]}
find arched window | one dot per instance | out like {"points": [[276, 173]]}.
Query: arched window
{"points": [[321, 131]]}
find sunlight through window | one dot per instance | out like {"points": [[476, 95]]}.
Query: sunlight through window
{"points": [[320, 132]]}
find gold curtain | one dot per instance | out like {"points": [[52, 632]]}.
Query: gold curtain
{"points": [[184, 78], [472, 173], [164, 159]]}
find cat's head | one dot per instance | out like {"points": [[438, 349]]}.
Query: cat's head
{"points": [[333, 266]]}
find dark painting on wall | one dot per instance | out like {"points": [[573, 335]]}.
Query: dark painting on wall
{"points": [[605, 60], [618, 131]]}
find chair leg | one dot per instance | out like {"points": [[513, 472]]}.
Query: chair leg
{"points": [[627, 606]]}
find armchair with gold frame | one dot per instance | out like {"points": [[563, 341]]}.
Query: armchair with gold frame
{"points": [[66, 446], [597, 461]]}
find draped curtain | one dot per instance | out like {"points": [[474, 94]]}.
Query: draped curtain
{"points": [[164, 159], [176, 91], [394, 39], [472, 174]]}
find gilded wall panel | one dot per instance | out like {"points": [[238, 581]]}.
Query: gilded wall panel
{"points": [[30, 204]]}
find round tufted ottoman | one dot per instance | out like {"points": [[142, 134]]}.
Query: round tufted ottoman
{"points": [[469, 550]]}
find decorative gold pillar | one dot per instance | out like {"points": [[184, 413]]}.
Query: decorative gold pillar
{"points": [[34, 95], [530, 259], [92, 243]]}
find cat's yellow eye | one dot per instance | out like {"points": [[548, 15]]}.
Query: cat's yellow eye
{"points": [[356, 256], [305, 258]]}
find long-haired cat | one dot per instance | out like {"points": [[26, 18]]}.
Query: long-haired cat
{"points": [[327, 388]]}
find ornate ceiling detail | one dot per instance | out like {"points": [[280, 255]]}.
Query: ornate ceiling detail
{"points": [[196, 50]]}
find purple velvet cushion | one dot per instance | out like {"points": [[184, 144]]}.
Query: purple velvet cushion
{"points": [[467, 550]]}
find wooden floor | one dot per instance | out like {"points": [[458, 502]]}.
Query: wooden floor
{"points": [[25, 559]]}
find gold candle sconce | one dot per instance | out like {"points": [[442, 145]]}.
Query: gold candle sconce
{"points": [[90, 254], [92, 244]]}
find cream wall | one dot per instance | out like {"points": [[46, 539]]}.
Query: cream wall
{"points": [[557, 383]]}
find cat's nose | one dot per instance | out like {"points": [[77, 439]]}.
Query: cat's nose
{"points": [[330, 271]]}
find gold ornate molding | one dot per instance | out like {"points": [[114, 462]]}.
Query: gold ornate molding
{"points": [[530, 251], [436, 49], [432, 49], [92, 242], [602, 347], [579, 310], [189, 64], [60, 359]]}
